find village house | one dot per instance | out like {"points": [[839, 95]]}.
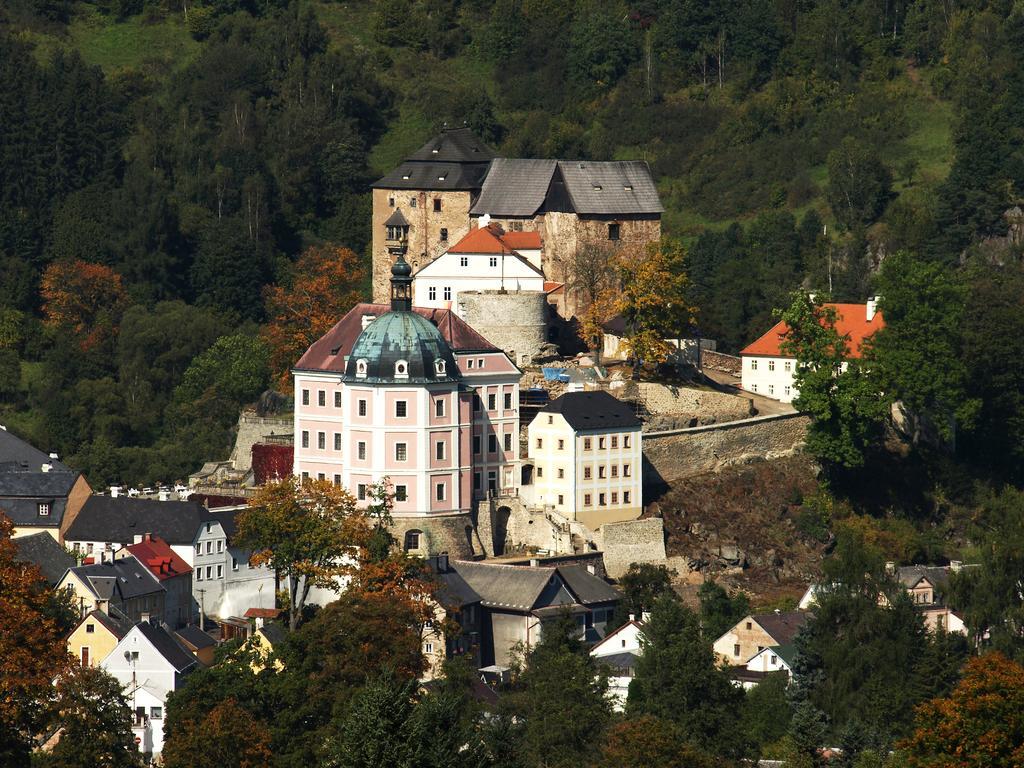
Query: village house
{"points": [[752, 634], [173, 573], [43, 551], [197, 642], [415, 396], [38, 492], [767, 370], [149, 664], [618, 653], [454, 629], [96, 635], [125, 588], [517, 600], [776, 658], [585, 448]]}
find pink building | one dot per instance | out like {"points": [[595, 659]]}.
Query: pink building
{"points": [[418, 397]]}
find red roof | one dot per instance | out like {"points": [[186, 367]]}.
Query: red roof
{"points": [[329, 351], [851, 322], [550, 286], [157, 555], [492, 239], [262, 613]]}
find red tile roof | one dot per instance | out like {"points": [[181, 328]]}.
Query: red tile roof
{"points": [[492, 239], [157, 555], [329, 351], [851, 322], [262, 613]]}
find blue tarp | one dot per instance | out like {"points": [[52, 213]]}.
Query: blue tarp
{"points": [[555, 374]]}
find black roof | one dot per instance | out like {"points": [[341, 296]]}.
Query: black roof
{"points": [[119, 520], [118, 626], [397, 219], [434, 176], [275, 632], [588, 588], [167, 646], [456, 145], [24, 484], [593, 410], [195, 637], [44, 551], [120, 580], [14, 450]]}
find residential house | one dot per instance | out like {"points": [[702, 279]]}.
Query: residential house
{"points": [[171, 571], [415, 396], [486, 259], [455, 627], [767, 370], [123, 587], [517, 600], [42, 550], [197, 642], [149, 663], [586, 453], [225, 582], [38, 492], [618, 653], [752, 634], [96, 635], [267, 636], [777, 658]]}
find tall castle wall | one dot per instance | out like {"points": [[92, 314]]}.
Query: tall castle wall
{"points": [[516, 321]]}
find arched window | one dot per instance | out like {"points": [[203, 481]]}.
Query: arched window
{"points": [[412, 540], [401, 369], [439, 367], [361, 368]]}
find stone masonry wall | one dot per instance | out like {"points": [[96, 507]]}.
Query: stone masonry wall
{"points": [[453, 534], [253, 429], [721, 362], [674, 454], [708, 406], [515, 321], [635, 541]]}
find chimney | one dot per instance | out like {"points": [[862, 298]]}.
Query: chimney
{"points": [[104, 606], [53, 456], [137, 538], [872, 308], [144, 617], [632, 617], [534, 562], [115, 491]]}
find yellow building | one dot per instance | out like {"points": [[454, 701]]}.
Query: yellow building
{"points": [[95, 637]]}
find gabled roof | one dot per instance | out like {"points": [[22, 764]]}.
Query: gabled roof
{"points": [[444, 177], [523, 241], [588, 588], [592, 410], [622, 660], [505, 586], [157, 555], [118, 627], [514, 187], [119, 520], [173, 651], [454, 145], [781, 626], [14, 450], [274, 632], [397, 219], [610, 188], [122, 579], [911, 575], [614, 632], [43, 551], [493, 239], [851, 322], [195, 637], [328, 353]]}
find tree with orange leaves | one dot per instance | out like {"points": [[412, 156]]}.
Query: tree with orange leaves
{"points": [[227, 737], [327, 282], [87, 299], [32, 652], [592, 280], [980, 723]]}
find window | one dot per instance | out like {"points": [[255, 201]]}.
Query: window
{"points": [[463, 261], [401, 369], [447, 293], [601, 443], [439, 367], [305, 438], [199, 548], [209, 547], [432, 293], [85, 655], [361, 450], [508, 441], [561, 474], [439, 492], [551, 419], [492, 402], [476, 443], [337, 441], [775, 660], [625, 497], [615, 497], [220, 546], [90, 628], [753, 387], [337, 399], [361, 491], [401, 409], [305, 476], [613, 231], [412, 202], [428, 647], [753, 365], [321, 440], [625, 470], [601, 500], [412, 540], [439, 408], [337, 481], [586, 473], [600, 472], [736, 650], [479, 362], [493, 261], [586, 499], [476, 481], [199, 574], [469, 364], [396, 232], [135, 656], [615, 470], [508, 401], [437, 205], [561, 499], [586, 443], [540, 471], [615, 441], [362, 408], [209, 572], [234, 563], [771, 365], [156, 713], [540, 442], [401, 493], [361, 369], [43, 508], [401, 452], [749, 626], [786, 390], [305, 397], [625, 441], [444, 234], [787, 366], [88, 548], [321, 398], [391, 202], [439, 451], [220, 571], [492, 443]]}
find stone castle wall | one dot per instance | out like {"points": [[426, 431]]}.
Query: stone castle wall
{"points": [[719, 361], [705, 404], [635, 541], [254, 429], [453, 534], [515, 321]]}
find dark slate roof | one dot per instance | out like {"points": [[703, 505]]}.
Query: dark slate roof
{"points": [[587, 587], [119, 520], [454, 591], [173, 651], [194, 636], [593, 410], [44, 551], [275, 633], [226, 518], [396, 336], [328, 353], [783, 626], [14, 450], [434, 176], [120, 580], [910, 575], [610, 188], [397, 219], [456, 145], [514, 187], [505, 586], [118, 626], [625, 660], [21, 492]]}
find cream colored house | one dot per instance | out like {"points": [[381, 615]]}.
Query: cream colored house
{"points": [[752, 634], [586, 452], [96, 635]]}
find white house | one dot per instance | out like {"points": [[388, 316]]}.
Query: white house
{"points": [[225, 583], [619, 651], [149, 663], [486, 259], [767, 370], [586, 453], [775, 658]]}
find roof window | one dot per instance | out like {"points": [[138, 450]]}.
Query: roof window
{"points": [[439, 367], [361, 368], [401, 369], [597, 187], [405, 176], [628, 187]]}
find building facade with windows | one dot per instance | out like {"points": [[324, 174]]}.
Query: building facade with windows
{"points": [[418, 398], [768, 370], [585, 448]]}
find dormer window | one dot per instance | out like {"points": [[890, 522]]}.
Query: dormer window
{"points": [[43, 508], [439, 367], [397, 232], [361, 368], [628, 187], [402, 369]]}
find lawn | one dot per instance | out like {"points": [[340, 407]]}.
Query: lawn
{"points": [[115, 45]]}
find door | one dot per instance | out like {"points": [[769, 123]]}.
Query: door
{"points": [[85, 656]]}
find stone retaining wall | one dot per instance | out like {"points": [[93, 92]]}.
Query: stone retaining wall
{"points": [[635, 541], [707, 405], [721, 362]]}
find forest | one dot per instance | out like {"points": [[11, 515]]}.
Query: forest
{"points": [[170, 170]]}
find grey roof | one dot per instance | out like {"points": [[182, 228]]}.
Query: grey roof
{"points": [[275, 632], [194, 636], [14, 450], [43, 550], [227, 519], [401, 335], [23, 489], [515, 187], [610, 188], [455, 145], [782, 626], [397, 219], [592, 411], [118, 626], [120, 580], [588, 588], [505, 586], [625, 660], [910, 575], [173, 651], [454, 591], [434, 176], [118, 520]]}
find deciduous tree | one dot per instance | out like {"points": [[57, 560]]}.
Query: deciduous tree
{"points": [[592, 281], [87, 299], [650, 742], [228, 737]]}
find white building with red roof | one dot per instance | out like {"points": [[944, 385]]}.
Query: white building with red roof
{"points": [[767, 370], [486, 259]]}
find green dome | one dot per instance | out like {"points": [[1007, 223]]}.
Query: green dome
{"points": [[401, 347]]}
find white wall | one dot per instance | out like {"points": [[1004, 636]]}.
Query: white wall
{"points": [[447, 271], [769, 376]]}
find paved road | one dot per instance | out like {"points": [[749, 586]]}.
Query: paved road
{"points": [[730, 384]]}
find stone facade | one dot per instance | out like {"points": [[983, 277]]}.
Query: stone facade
{"points": [[426, 240], [634, 541], [452, 534], [516, 322], [508, 524], [707, 406], [679, 453]]}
